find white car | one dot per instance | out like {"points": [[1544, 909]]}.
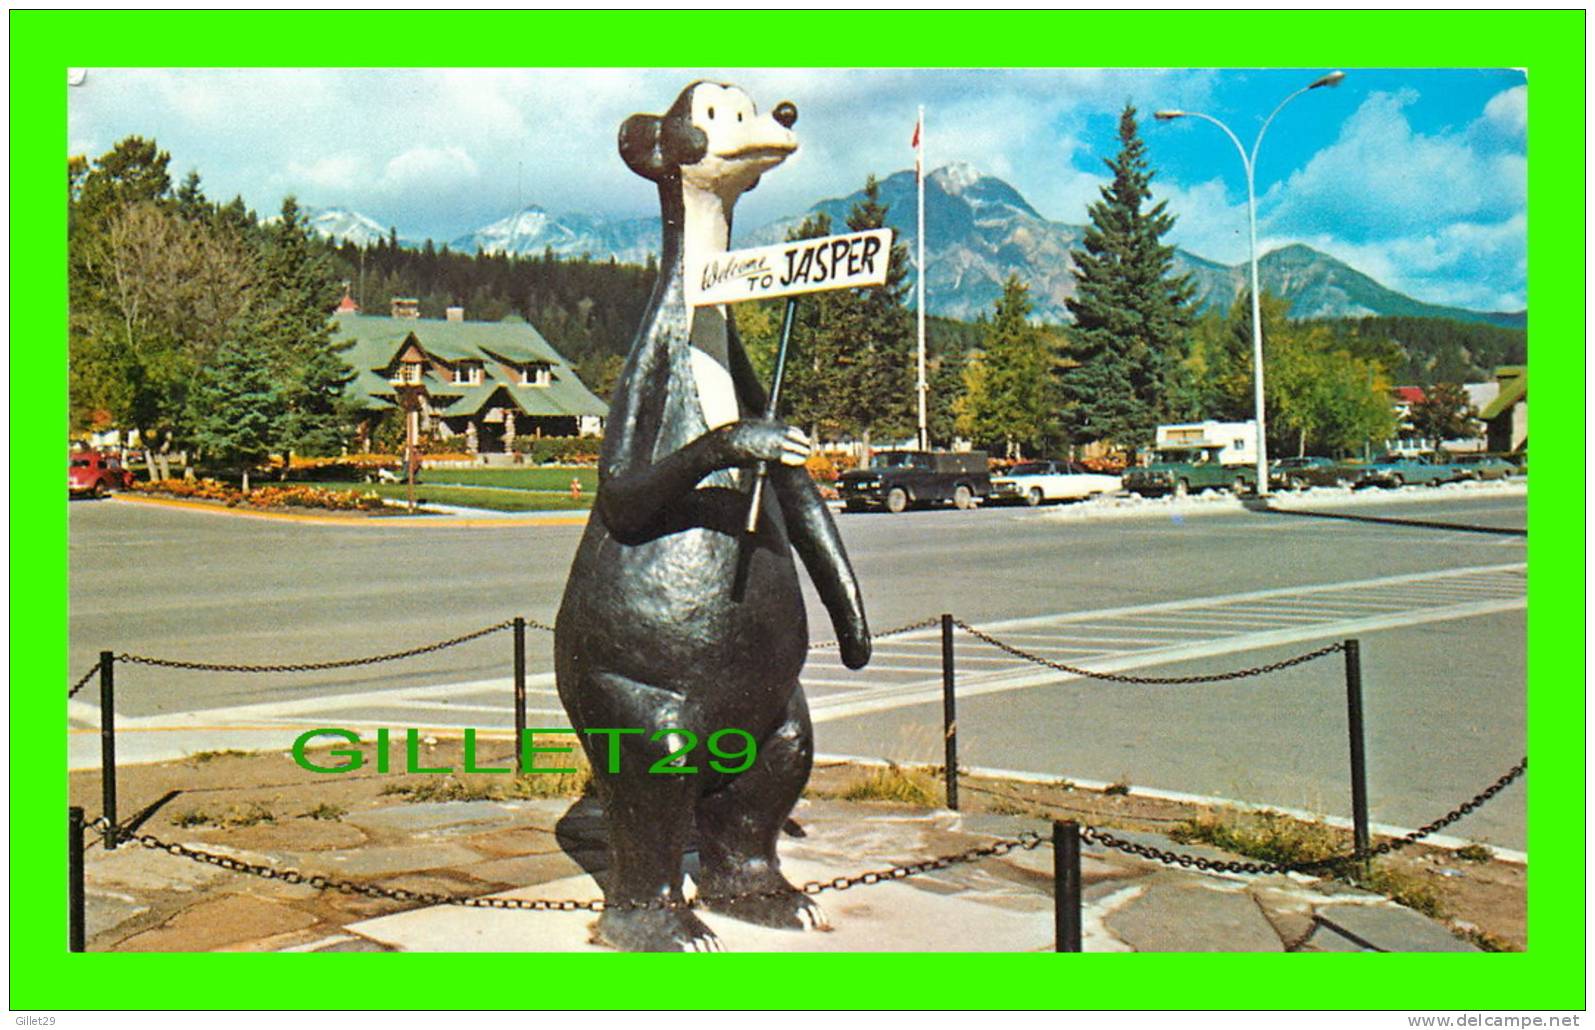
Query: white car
{"points": [[1034, 482]]}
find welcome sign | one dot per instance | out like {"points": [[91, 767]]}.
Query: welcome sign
{"points": [[799, 266]]}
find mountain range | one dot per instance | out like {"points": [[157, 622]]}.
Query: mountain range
{"points": [[979, 230]]}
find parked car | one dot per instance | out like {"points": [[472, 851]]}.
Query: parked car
{"points": [[1485, 466], [896, 479], [1395, 470], [1035, 482], [92, 474], [1180, 470], [1301, 473]]}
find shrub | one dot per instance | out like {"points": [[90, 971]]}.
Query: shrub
{"points": [[565, 450], [266, 497]]}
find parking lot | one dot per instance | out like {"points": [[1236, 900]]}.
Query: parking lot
{"points": [[1441, 614]]}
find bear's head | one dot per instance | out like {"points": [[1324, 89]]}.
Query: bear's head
{"points": [[712, 138]]}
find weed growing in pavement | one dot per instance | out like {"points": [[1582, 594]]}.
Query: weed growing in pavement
{"points": [[1271, 836], [911, 786], [247, 813], [203, 757], [1120, 789], [326, 811], [1474, 853], [1404, 888]]}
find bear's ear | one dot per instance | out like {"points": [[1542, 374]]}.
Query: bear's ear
{"points": [[682, 142], [639, 146]]}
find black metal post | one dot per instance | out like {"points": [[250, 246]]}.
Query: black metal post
{"points": [[949, 711], [108, 746], [520, 689], [1359, 769], [74, 879], [1066, 884]]}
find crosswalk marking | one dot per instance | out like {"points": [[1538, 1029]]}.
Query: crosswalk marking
{"points": [[908, 667]]}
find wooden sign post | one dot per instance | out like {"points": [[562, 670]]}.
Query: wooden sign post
{"points": [[848, 261]]}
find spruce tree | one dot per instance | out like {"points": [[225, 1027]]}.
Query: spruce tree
{"points": [[236, 409], [1130, 316], [877, 345]]}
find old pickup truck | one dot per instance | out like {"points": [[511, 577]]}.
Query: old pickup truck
{"points": [[1181, 470], [896, 479]]}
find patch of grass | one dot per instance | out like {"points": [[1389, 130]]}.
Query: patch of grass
{"points": [[894, 783], [246, 813], [554, 479], [326, 811], [472, 497], [1065, 785], [1413, 891], [1474, 853], [1271, 836], [204, 757], [1120, 789], [1008, 806], [1484, 940], [494, 788]]}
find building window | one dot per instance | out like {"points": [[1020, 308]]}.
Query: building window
{"points": [[537, 375], [468, 373], [407, 372]]}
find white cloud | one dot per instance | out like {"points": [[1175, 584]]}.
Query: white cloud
{"points": [[1382, 179], [1507, 112], [422, 169]]}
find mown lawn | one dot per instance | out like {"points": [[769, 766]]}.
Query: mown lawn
{"points": [[536, 478], [471, 497]]}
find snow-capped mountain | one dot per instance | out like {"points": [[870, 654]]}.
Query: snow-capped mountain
{"points": [[345, 226], [979, 230], [531, 231]]}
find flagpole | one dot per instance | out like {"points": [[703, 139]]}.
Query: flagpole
{"points": [[919, 180]]}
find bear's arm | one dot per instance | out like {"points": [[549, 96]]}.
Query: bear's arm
{"points": [[810, 527]]}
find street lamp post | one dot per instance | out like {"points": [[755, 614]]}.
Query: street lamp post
{"points": [[1249, 161]]}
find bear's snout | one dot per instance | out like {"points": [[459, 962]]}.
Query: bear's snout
{"points": [[785, 114]]}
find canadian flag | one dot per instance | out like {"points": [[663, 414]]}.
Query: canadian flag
{"points": [[917, 153]]}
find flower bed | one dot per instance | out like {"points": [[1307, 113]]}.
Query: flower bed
{"points": [[265, 497]]}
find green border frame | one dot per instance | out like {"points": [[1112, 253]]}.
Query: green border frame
{"points": [[1550, 45]]}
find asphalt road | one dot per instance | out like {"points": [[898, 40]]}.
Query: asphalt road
{"points": [[1445, 682]]}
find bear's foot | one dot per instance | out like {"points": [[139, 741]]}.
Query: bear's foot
{"points": [[654, 929], [781, 907]]}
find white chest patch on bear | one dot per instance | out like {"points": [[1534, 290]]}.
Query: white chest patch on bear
{"points": [[717, 394]]}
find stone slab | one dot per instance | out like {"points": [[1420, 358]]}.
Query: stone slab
{"points": [[1392, 928], [440, 817], [1174, 917], [888, 916], [386, 861], [219, 923]]}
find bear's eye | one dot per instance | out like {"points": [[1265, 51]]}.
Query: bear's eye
{"points": [[711, 114]]}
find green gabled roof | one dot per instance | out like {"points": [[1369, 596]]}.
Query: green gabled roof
{"points": [[371, 342], [1514, 387]]}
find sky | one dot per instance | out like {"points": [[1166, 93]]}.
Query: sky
{"points": [[1415, 177]]}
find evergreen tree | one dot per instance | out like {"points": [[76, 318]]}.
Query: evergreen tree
{"points": [[877, 346], [236, 409], [1008, 401], [1130, 316], [299, 288]]}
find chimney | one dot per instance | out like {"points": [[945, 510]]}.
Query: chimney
{"points": [[406, 307], [454, 314]]}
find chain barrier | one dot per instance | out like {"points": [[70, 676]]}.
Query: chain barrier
{"points": [[84, 681], [1027, 841], [1115, 677], [1093, 835], [167, 663], [934, 620]]}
